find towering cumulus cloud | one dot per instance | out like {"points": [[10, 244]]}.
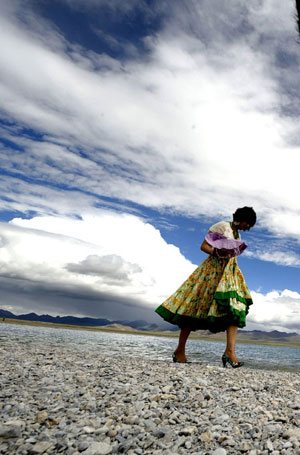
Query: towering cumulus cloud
{"points": [[117, 114]]}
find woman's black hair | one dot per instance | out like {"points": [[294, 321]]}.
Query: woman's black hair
{"points": [[298, 14], [245, 214]]}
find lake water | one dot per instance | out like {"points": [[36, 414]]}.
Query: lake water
{"points": [[149, 347]]}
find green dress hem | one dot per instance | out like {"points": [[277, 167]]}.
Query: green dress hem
{"points": [[213, 324]]}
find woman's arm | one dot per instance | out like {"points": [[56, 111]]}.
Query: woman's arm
{"points": [[219, 253], [206, 247]]}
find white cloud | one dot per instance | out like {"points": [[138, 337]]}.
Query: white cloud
{"points": [[277, 310], [192, 128], [290, 258], [120, 255], [24, 197]]}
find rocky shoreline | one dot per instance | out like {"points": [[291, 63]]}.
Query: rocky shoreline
{"points": [[55, 400]]}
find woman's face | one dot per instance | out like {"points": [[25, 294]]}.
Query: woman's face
{"points": [[244, 226]]}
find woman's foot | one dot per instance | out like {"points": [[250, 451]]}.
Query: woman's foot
{"points": [[231, 355], [233, 363], [179, 357]]}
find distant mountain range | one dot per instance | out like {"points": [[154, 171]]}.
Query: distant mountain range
{"points": [[85, 322], [272, 334], [253, 335], [259, 336]]}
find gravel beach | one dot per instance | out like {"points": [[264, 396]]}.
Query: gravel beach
{"points": [[55, 400]]}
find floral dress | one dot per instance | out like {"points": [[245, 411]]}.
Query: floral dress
{"points": [[214, 297]]}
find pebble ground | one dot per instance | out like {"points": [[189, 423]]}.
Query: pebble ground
{"points": [[54, 400]]}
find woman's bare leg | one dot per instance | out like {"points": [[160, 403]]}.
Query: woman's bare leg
{"points": [[180, 350], [231, 339]]}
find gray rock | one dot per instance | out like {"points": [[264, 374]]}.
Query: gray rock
{"points": [[293, 432], [10, 431], [41, 447], [159, 433], [80, 400], [245, 446], [223, 418], [229, 442], [41, 417], [82, 445]]}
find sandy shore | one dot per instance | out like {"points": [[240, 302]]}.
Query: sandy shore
{"points": [[62, 401]]}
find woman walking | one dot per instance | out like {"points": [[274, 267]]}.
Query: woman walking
{"points": [[215, 297]]}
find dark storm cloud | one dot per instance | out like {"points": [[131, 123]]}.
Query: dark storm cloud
{"points": [[26, 296]]}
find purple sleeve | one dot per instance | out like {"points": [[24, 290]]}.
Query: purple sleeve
{"points": [[232, 246]]}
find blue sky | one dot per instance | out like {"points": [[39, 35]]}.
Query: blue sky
{"points": [[127, 129]]}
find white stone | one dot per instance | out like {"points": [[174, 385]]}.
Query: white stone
{"points": [[188, 445], [187, 430], [269, 445], [219, 451], [98, 448], [206, 436], [88, 429]]}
